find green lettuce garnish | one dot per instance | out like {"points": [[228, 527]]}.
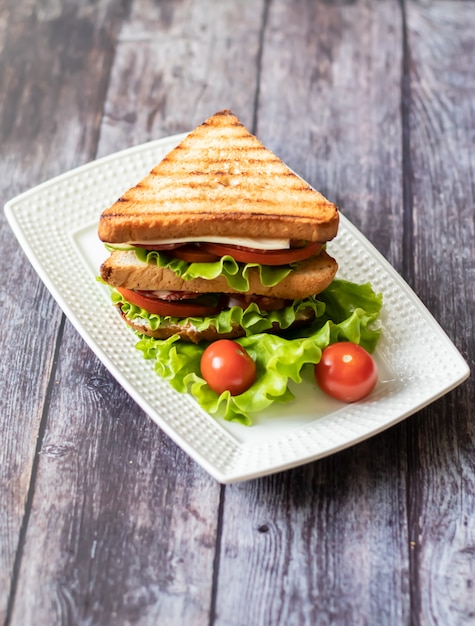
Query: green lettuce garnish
{"points": [[236, 274], [345, 311], [251, 319]]}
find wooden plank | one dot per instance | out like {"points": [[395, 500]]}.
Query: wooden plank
{"points": [[178, 64], [441, 44], [323, 544], [52, 73], [28, 346], [123, 523], [328, 543], [341, 70], [135, 521]]}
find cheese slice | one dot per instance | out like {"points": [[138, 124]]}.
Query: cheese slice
{"points": [[245, 242]]}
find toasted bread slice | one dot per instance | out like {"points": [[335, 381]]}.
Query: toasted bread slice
{"points": [[124, 269], [220, 180]]}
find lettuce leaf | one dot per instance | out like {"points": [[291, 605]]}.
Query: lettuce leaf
{"points": [[345, 311], [236, 274], [251, 319]]}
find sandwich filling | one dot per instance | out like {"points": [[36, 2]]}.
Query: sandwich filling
{"points": [[210, 316], [205, 251], [161, 312], [190, 304], [246, 242], [206, 289], [210, 252]]}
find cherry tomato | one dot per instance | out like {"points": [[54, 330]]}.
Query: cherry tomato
{"points": [[265, 257], [346, 372], [226, 366], [165, 307]]}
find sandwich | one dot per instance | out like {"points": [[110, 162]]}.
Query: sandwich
{"points": [[220, 240]]}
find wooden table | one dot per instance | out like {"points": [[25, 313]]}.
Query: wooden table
{"points": [[103, 519]]}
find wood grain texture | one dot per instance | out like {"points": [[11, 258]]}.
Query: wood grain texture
{"points": [[122, 529], [27, 359], [176, 64], [441, 44], [337, 120], [54, 71], [51, 77], [318, 545]]}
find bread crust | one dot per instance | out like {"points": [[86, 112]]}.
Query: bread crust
{"points": [[220, 180], [124, 269]]}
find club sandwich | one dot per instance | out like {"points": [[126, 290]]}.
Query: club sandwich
{"points": [[220, 240]]}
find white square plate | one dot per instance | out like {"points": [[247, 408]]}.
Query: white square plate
{"points": [[56, 225]]}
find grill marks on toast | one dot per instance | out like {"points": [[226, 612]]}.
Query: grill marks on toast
{"points": [[219, 172]]}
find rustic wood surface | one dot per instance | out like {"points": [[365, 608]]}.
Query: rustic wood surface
{"points": [[103, 519]]}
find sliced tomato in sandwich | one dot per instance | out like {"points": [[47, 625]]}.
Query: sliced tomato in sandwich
{"points": [[264, 257], [191, 252], [211, 252], [185, 304], [195, 254], [175, 308]]}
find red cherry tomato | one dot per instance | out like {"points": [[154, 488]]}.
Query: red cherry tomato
{"points": [[226, 366], [346, 372]]}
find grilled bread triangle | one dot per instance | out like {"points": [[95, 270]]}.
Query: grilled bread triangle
{"points": [[220, 180]]}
